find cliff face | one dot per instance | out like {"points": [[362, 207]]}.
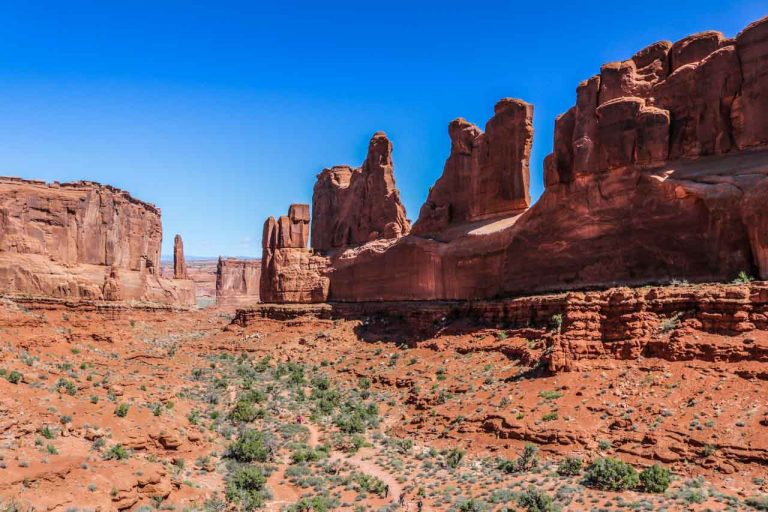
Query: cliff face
{"points": [[79, 222], [237, 281], [487, 174], [81, 240], [354, 206], [659, 172]]}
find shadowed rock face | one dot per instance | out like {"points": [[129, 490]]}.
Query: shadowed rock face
{"points": [[487, 174], [352, 206], [81, 240]]}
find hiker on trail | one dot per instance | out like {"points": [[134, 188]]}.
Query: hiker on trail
{"points": [[386, 491], [419, 505], [401, 499]]}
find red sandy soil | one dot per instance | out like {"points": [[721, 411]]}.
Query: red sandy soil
{"points": [[702, 420]]}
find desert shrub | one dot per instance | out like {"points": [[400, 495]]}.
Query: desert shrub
{"points": [[356, 417], [569, 466], [15, 377], [655, 479], [527, 460], [251, 446], [556, 322], [245, 411], [471, 505], [757, 502], [303, 453], [68, 385], [454, 457], [121, 410], [116, 452], [534, 500], [246, 486], [611, 474], [369, 484], [313, 504], [743, 278]]}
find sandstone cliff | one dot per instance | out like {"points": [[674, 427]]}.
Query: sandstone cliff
{"points": [[290, 272], [659, 172], [354, 206], [237, 281], [487, 174], [81, 240]]}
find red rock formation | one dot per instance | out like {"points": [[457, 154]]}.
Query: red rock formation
{"points": [[487, 174], [237, 281], [649, 181], [354, 206], [179, 264], [81, 240], [290, 272]]}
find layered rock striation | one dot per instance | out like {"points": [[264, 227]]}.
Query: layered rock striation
{"points": [[487, 174], [82, 240], [352, 206], [237, 281], [179, 263], [290, 271]]}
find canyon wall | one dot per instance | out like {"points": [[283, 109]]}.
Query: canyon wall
{"points": [[353, 206], [82, 240], [237, 281], [659, 172]]}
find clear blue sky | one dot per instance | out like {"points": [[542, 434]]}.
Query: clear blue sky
{"points": [[222, 113]]}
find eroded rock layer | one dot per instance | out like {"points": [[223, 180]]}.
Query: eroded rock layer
{"points": [[237, 281], [487, 174], [353, 206], [82, 240], [291, 272], [659, 172]]}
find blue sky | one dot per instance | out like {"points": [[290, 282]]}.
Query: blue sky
{"points": [[222, 113]]}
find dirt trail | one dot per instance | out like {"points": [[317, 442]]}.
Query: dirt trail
{"points": [[366, 466]]}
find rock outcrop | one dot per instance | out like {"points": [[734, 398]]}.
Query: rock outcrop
{"points": [[179, 263], [291, 272], [658, 173], [237, 281], [82, 240], [487, 174], [352, 206]]}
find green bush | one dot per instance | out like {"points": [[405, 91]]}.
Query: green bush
{"points": [[122, 410], [655, 479], [15, 377], [758, 502], [471, 505], [527, 461], [251, 446], [569, 466], [313, 504], [611, 474], [117, 452], [245, 412], [533, 500], [247, 487], [454, 457]]}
